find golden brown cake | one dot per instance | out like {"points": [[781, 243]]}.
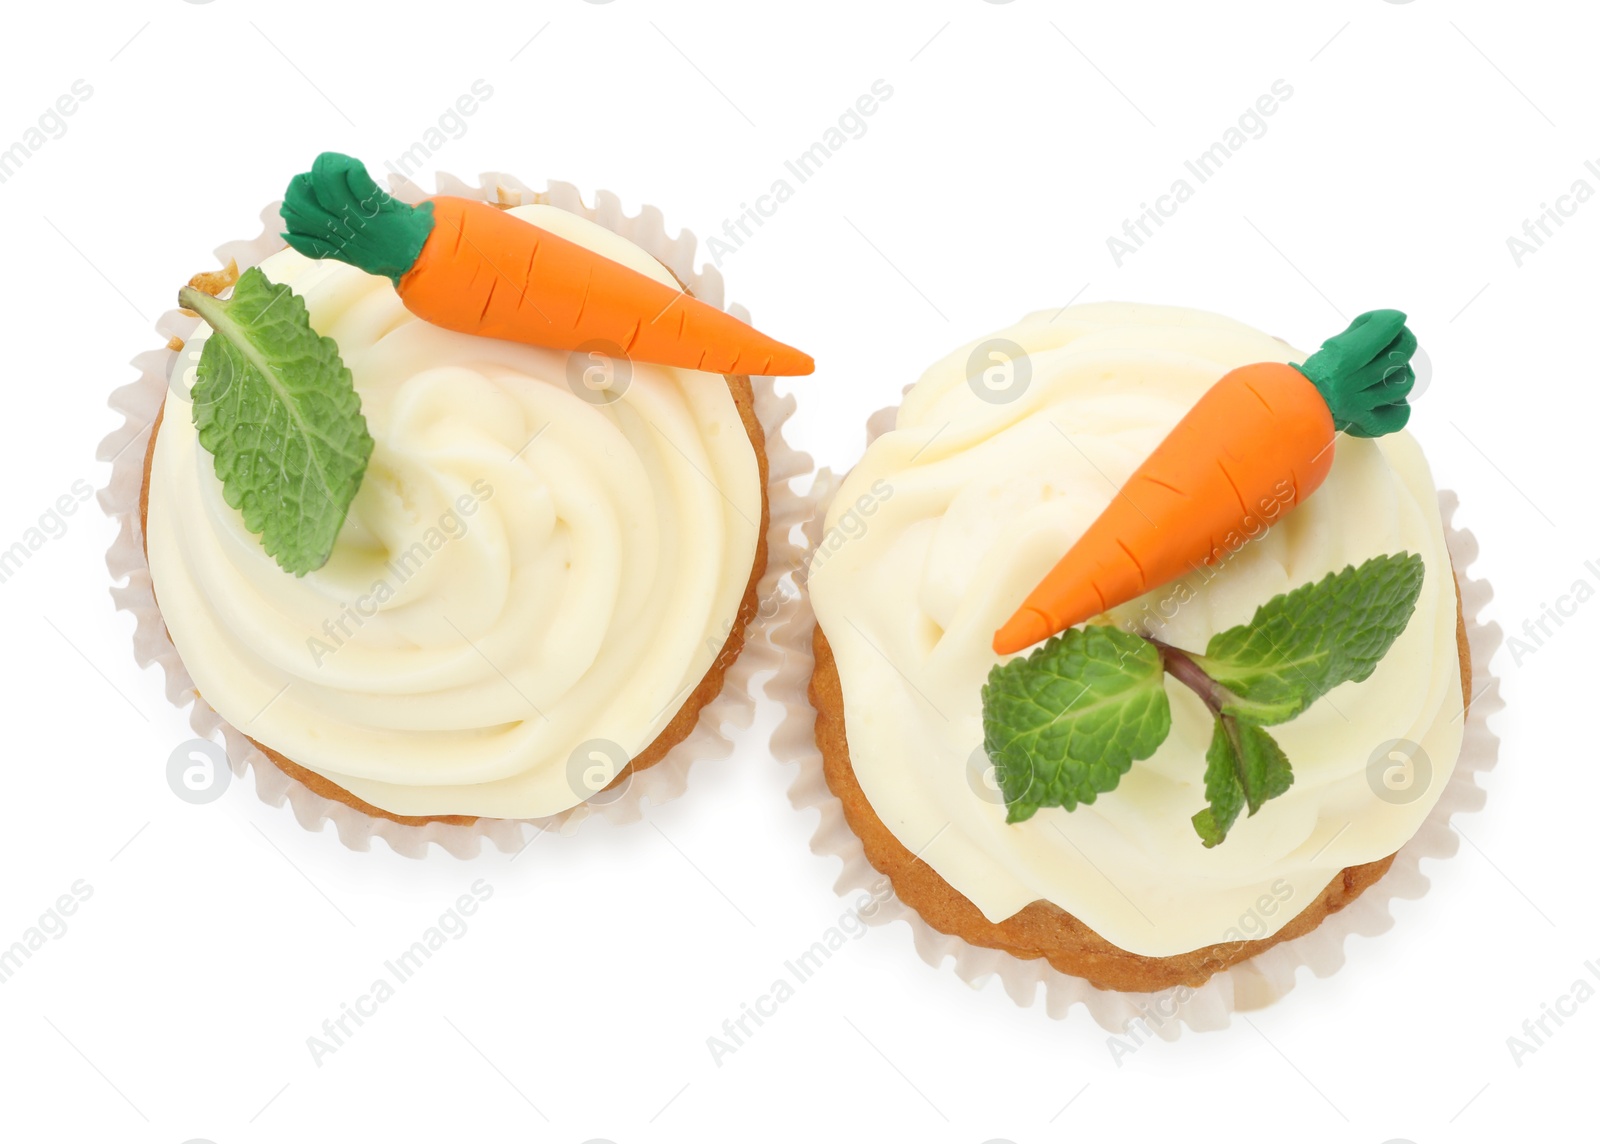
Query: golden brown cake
{"points": [[1103, 837], [544, 574]]}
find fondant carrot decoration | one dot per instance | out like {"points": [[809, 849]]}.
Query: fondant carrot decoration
{"points": [[468, 266], [1256, 444]]}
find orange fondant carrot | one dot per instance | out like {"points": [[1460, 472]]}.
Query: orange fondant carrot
{"points": [[468, 266], [1256, 444]]}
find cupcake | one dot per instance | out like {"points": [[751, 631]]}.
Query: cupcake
{"points": [[1139, 650], [458, 510]]}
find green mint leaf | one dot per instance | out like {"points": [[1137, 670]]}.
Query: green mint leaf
{"points": [[277, 410], [1304, 643], [1266, 772], [1224, 791], [1244, 768], [1064, 724]]}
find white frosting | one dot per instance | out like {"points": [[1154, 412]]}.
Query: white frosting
{"points": [[951, 518], [523, 573]]}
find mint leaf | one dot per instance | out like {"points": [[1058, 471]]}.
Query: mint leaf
{"points": [[1064, 724], [1266, 772], [1224, 791], [1244, 768], [1304, 643], [277, 410]]}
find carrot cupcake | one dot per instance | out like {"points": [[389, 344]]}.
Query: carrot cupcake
{"points": [[463, 511], [1138, 649]]}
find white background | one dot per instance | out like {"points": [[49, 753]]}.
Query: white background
{"points": [[1018, 137]]}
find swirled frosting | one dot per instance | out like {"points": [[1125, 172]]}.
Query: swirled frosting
{"points": [[545, 557], [954, 515]]}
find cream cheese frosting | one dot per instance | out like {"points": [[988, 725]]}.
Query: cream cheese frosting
{"points": [[545, 557], [955, 514]]}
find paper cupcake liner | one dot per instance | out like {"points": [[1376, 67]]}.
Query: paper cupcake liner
{"points": [[733, 708], [1249, 985]]}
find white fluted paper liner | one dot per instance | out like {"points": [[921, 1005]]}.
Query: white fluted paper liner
{"points": [[730, 711], [1249, 985]]}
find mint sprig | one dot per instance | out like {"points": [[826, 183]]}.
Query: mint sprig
{"points": [[1065, 723], [278, 412]]}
